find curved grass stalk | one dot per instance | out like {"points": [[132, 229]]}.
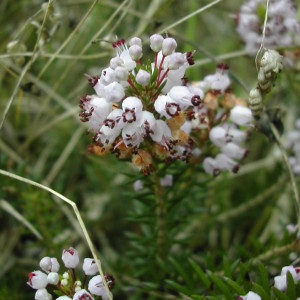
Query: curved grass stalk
{"points": [[26, 68], [65, 43], [77, 213], [166, 29]]}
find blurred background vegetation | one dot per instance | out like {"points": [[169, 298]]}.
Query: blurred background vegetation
{"points": [[41, 80]]}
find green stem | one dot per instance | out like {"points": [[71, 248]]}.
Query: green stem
{"points": [[160, 220]]}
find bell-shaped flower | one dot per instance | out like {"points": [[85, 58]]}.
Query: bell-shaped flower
{"points": [[135, 41], [89, 266], [168, 46], [156, 41], [94, 111], [224, 162], [142, 77], [136, 52], [63, 298], [96, 285], [70, 258], [210, 166], [235, 135], [122, 74], [280, 282], [37, 280], [166, 106], [132, 135], [107, 76], [49, 264], [174, 61], [217, 136], [182, 96], [114, 92], [53, 278], [107, 135], [42, 294], [132, 109], [83, 295], [116, 62], [233, 151], [241, 115], [162, 134]]}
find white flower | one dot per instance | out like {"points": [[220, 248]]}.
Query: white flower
{"points": [[37, 280], [132, 135], [241, 115], [89, 266], [280, 282], [132, 109], [174, 61], [82, 295], [70, 258], [114, 92], [96, 286], [167, 180], [136, 52], [123, 53], [233, 151], [63, 298], [49, 264], [217, 135], [135, 41], [166, 106], [182, 96], [42, 294], [156, 41], [251, 296], [107, 76], [224, 162], [53, 278], [168, 46], [162, 134], [138, 185], [94, 111], [142, 77], [210, 166]]}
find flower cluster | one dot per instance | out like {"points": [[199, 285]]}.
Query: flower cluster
{"points": [[282, 28], [67, 285], [292, 144], [149, 113]]}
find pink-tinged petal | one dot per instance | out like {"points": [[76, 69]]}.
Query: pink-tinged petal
{"points": [[70, 258], [37, 280]]}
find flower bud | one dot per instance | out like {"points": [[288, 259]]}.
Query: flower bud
{"points": [[82, 294], [53, 278], [136, 52], [142, 77], [96, 285], [156, 41], [241, 115], [89, 266], [175, 60], [48, 264], [37, 280], [135, 41], [114, 92], [70, 258], [42, 294], [168, 46], [116, 62]]}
